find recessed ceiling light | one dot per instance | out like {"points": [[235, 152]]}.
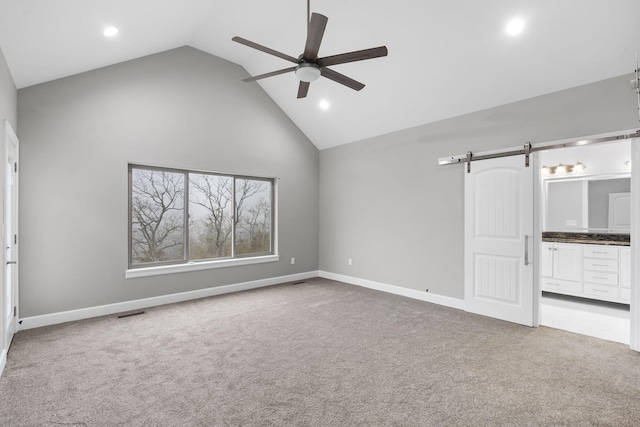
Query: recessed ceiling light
{"points": [[324, 104], [515, 27], [110, 31]]}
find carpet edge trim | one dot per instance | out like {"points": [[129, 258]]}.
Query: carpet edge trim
{"points": [[104, 310], [397, 290]]}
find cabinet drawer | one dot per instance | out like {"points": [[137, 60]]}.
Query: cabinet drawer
{"points": [[601, 277], [608, 292], [625, 294], [595, 251], [561, 286], [594, 264]]}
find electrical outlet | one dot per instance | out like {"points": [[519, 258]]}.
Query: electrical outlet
{"points": [[293, 261], [572, 222], [634, 84], [350, 262]]}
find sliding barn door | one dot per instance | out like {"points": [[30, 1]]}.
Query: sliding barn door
{"points": [[498, 239]]}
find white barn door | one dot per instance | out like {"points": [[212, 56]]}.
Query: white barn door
{"points": [[499, 240]]}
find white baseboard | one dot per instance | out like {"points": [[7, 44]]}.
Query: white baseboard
{"points": [[410, 293], [103, 310], [3, 361]]}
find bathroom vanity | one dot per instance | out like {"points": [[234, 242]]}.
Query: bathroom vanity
{"points": [[588, 265]]}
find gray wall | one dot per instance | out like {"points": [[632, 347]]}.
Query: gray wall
{"points": [[8, 95], [182, 108], [385, 202]]}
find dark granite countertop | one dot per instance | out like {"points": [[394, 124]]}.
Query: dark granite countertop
{"points": [[615, 239]]}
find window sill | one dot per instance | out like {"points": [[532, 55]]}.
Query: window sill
{"points": [[197, 266]]}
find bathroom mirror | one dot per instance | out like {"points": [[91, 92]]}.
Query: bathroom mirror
{"points": [[588, 204]]}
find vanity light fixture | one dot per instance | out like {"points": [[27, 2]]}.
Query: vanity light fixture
{"points": [[548, 170], [562, 169]]}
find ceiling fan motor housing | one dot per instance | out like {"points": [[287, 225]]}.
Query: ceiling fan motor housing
{"points": [[307, 71]]}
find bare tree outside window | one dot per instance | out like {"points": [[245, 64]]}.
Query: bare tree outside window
{"points": [[210, 216], [157, 216], [227, 216], [253, 216]]}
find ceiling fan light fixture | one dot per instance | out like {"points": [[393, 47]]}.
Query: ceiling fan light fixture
{"points": [[308, 72]]}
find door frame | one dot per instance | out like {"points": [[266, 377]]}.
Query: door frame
{"points": [[635, 247], [9, 137]]}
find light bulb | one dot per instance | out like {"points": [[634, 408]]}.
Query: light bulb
{"points": [[110, 31], [515, 27]]}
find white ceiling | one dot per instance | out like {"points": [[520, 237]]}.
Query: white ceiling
{"points": [[446, 58]]}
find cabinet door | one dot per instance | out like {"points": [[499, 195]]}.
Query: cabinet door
{"points": [[567, 262], [546, 259]]}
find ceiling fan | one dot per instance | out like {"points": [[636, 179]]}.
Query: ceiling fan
{"points": [[308, 66]]}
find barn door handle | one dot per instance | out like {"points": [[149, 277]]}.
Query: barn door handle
{"points": [[526, 250]]}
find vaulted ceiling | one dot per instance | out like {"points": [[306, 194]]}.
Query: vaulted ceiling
{"points": [[445, 58]]}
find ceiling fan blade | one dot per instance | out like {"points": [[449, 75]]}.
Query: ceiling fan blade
{"points": [[265, 49], [358, 55], [303, 89], [271, 74], [341, 78], [314, 37]]}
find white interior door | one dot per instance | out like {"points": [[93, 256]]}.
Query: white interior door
{"points": [[499, 225], [10, 234], [619, 211]]}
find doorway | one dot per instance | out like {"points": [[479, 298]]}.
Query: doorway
{"points": [[585, 252]]}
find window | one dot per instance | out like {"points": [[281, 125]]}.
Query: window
{"points": [[184, 217]]}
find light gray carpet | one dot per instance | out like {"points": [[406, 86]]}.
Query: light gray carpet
{"points": [[320, 353]]}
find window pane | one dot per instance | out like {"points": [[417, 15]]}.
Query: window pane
{"points": [[210, 216], [253, 211], [157, 216]]}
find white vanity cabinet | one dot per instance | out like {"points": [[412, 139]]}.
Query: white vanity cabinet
{"points": [[562, 268], [601, 277], [589, 271]]}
